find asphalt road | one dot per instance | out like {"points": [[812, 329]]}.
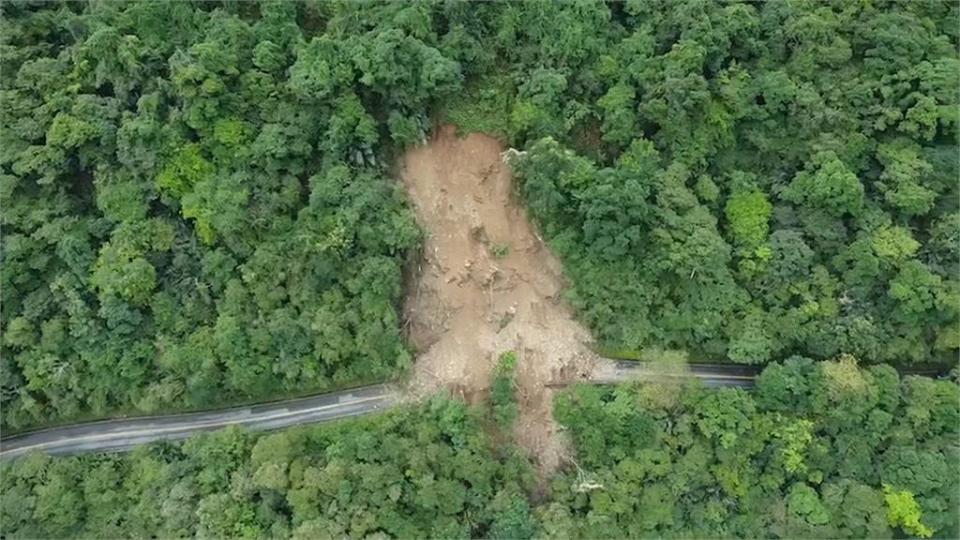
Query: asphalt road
{"points": [[713, 375], [124, 434]]}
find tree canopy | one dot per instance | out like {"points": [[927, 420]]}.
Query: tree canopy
{"points": [[750, 180], [816, 450], [197, 205], [419, 472]]}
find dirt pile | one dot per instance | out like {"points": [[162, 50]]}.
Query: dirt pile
{"points": [[487, 284]]}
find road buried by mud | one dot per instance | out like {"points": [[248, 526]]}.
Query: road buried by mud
{"points": [[486, 284]]}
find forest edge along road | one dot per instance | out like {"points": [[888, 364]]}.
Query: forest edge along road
{"points": [[123, 434], [486, 284]]}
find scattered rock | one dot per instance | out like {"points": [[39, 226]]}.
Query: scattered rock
{"points": [[462, 195]]}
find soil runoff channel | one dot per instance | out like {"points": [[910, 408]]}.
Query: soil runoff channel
{"points": [[487, 284]]}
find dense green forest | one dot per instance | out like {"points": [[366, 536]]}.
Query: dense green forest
{"points": [[197, 205], [424, 472], [751, 180], [818, 450]]}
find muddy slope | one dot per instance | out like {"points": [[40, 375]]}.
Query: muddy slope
{"points": [[487, 284]]}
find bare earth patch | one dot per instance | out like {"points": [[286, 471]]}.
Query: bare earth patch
{"points": [[487, 284]]}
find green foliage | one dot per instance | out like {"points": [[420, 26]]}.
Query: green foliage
{"points": [[738, 200], [620, 118], [196, 209], [903, 511], [195, 196], [748, 214], [813, 451], [425, 471], [894, 243], [902, 179], [796, 437], [503, 398], [483, 107], [186, 169], [500, 251], [829, 185]]}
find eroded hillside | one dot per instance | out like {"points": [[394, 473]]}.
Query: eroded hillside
{"points": [[487, 284]]}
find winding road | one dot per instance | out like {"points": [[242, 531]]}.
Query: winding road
{"points": [[124, 434]]}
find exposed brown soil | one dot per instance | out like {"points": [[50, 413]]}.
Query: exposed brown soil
{"points": [[487, 284]]}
